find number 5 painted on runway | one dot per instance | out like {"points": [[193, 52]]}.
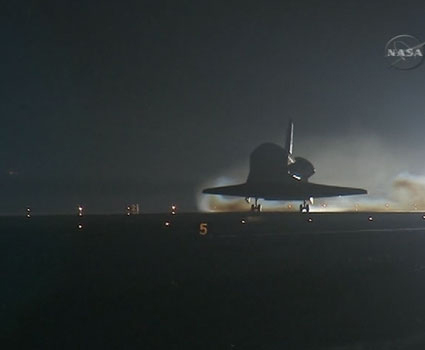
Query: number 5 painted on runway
{"points": [[203, 228]]}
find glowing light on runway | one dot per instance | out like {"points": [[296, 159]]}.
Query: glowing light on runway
{"points": [[310, 220], [173, 210], [243, 221], [80, 210], [28, 212], [370, 218], [133, 209], [167, 224], [80, 226]]}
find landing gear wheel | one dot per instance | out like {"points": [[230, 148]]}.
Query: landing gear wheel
{"points": [[304, 208], [256, 207]]}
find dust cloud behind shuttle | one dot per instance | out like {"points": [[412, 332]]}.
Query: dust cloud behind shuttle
{"points": [[394, 176]]}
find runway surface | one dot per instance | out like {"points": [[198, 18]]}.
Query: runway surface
{"points": [[214, 281]]}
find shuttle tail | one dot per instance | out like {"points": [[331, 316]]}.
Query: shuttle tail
{"points": [[289, 143]]}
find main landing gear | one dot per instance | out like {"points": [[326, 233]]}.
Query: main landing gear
{"points": [[256, 207], [305, 207]]}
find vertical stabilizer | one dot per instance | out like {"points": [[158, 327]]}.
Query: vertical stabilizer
{"points": [[289, 137], [289, 140]]}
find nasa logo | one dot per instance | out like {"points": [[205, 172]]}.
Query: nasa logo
{"points": [[404, 52]]}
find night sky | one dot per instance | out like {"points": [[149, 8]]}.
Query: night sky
{"points": [[108, 103]]}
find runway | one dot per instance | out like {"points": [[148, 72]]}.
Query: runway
{"points": [[263, 281], [245, 224]]}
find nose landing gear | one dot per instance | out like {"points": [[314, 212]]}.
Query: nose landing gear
{"points": [[256, 207], [305, 207]]}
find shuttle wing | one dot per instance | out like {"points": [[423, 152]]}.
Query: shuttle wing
{"points": [[295, 190], [241, 190]]}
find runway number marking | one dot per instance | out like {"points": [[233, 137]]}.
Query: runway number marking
{"points": [[203, 228]]}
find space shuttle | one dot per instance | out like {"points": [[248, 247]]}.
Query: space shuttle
{"points": [[276, 174]]}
